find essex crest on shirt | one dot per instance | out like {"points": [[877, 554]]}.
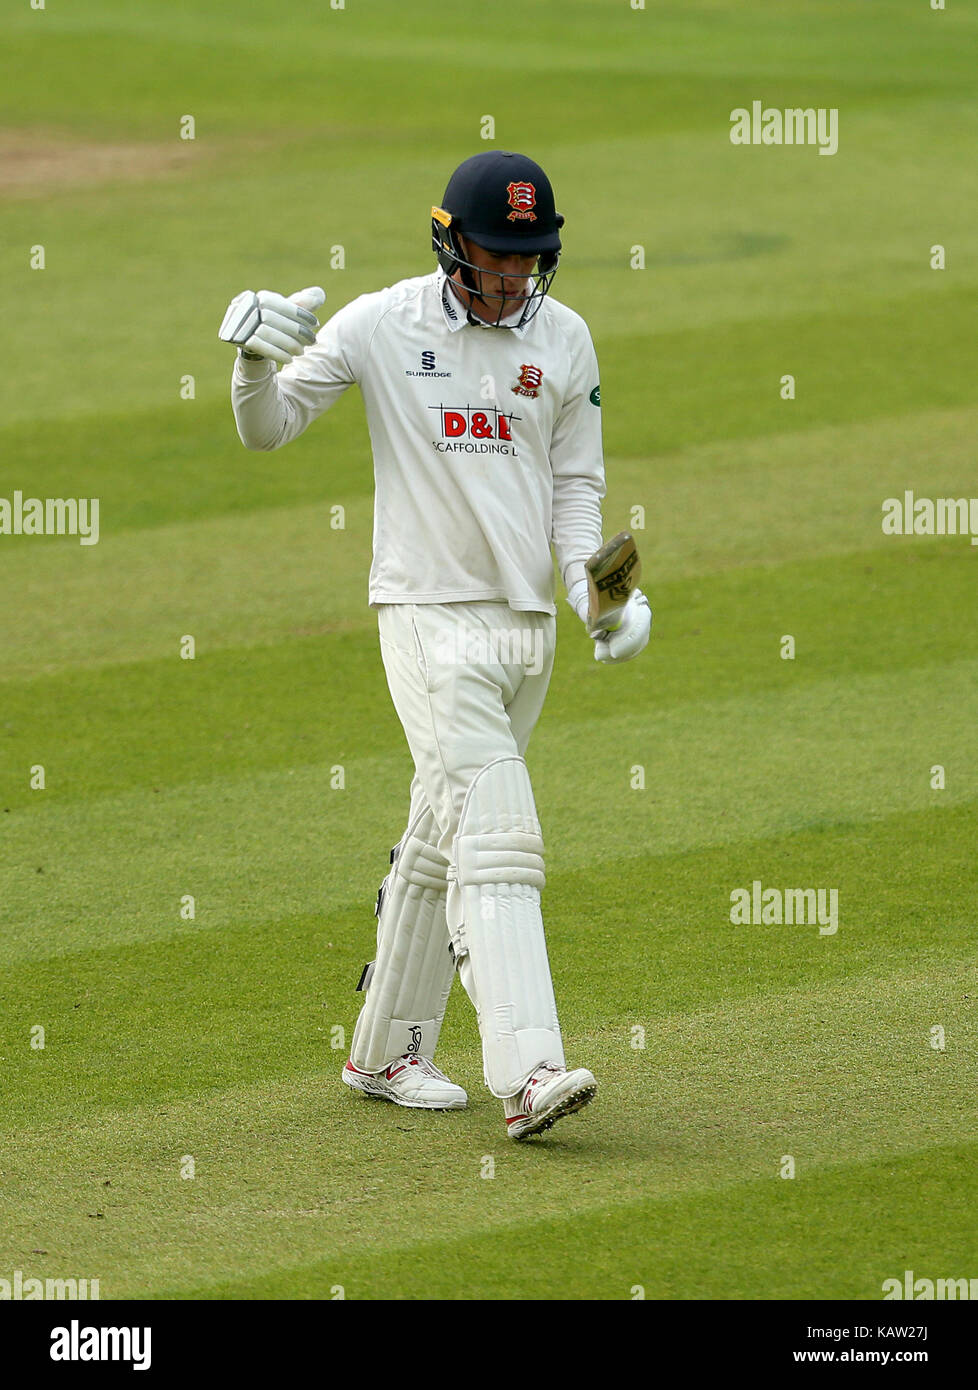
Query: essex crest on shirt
{"points": [[531, 379]]}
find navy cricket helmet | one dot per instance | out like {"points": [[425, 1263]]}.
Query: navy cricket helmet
{"points": [[504, 203]]}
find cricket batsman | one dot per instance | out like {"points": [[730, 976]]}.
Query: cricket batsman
{"points": [[483, 407]]}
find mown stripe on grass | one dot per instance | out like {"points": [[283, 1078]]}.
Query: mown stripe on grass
{"points": [[799, 495], [838, 1233], [165, 721], [291, 1168], [853, 748], [175, 1022], [715, 772], [262, 569], [843, 364]]}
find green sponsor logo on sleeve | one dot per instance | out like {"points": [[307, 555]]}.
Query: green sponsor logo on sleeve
{"points": [[595, 396]]}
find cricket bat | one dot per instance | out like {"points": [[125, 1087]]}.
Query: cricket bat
{"points": [[612, 574]]}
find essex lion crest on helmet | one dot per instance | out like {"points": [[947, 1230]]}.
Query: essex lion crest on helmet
{"points": [[522, 198]]}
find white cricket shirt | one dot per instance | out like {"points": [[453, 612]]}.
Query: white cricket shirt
{"points": [[486, 441]]}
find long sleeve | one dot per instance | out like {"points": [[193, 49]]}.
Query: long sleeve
{"points": [[271, 407], [577, 461]]}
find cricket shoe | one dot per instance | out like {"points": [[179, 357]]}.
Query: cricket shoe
{"points": [[412, 1081], [550, 1093]]}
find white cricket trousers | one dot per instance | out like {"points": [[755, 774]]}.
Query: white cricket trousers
{"points": [[468, 681]]}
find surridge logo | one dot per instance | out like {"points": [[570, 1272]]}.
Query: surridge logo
{"points": [[427, 366]]}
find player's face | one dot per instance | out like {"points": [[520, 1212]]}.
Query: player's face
{"points": [[501, 275]]}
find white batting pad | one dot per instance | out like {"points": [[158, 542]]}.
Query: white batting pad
{"points": [[412, 975], [496, 926]]}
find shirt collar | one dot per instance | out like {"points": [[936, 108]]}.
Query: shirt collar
{"points": [[455, 313]]}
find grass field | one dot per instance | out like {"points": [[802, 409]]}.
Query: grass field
{"points": [[219, 1039]]}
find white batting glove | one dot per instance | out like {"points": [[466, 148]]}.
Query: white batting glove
{"points": [[632, 633], [629, 637], [267, 324]]}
